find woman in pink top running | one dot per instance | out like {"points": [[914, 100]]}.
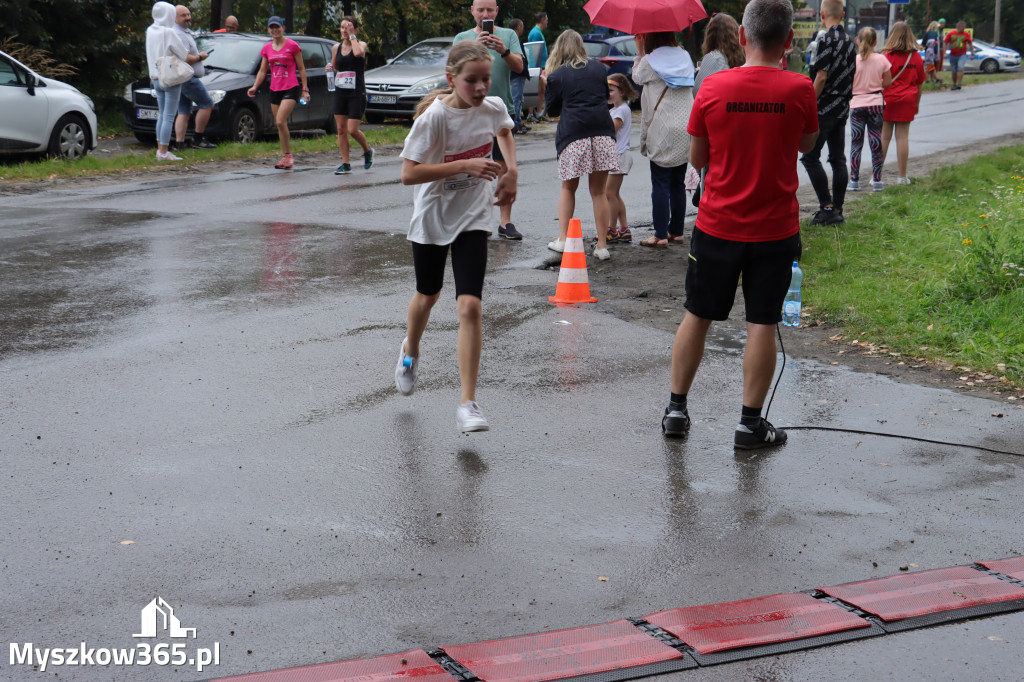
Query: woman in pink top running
{"points": [[872, 77], [283, 56]]}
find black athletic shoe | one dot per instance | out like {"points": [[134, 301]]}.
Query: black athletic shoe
{"points": [[368, 159], [823, 216], [201, 142], [675, 423], [761, 436], [509, 231], [834, 217]]}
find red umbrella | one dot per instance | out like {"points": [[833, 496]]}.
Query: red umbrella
{"points": [[645, 16]]}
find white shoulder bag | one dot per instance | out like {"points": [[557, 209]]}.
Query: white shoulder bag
{"points": [[173, 71]]}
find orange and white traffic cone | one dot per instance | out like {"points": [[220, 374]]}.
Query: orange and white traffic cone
{"points": [[573, 286]]}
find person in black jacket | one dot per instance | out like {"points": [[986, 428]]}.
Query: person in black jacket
{"points": [[577, 92]]}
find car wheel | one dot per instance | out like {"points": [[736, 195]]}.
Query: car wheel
{"points": [[374, 118], [245, 127], [989, 66], [69, 139], [146, 138]]}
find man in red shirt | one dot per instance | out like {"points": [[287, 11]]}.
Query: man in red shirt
{"points": [[958, 41], [747, 126]]}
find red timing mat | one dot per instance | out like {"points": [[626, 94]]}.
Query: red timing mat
{"points": [[563, 653], [1013, 567], [919, 594], [755, 622], [412, 665]]}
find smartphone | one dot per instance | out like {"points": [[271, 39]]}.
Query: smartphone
{"points": [[487, 25]]}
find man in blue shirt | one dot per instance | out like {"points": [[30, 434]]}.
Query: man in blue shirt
{"points": [[537, 36]]}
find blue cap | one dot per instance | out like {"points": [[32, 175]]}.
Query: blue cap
{"points": [[275, 21]]}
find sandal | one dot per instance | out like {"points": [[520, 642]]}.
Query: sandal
{"points": [[676, 239], [655, 243]]}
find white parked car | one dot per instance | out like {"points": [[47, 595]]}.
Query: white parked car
{"points": [[43, 115], [988, 58]]}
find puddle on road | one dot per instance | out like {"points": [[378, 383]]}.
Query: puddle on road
{"points": [[69, 275]]}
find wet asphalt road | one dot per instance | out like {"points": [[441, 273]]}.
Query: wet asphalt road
{"points": [[202, 367]]}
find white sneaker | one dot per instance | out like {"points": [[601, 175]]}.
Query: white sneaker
{"points": [[558, 246], [902, 181], [405, 371], [167, 156], [602, 254], [470, 417]]}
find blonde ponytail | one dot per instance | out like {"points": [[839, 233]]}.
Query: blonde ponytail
{"points": [[868, 39]]}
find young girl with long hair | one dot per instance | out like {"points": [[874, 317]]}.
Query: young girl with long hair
{"points": [[283, 57], [577, 92], [871, 78], [447, 155], [721, 48], [903, 96], [621, 93]]}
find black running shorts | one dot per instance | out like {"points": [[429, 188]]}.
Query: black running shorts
{"points": [[713, 273], [352, 105], [469, 263]]}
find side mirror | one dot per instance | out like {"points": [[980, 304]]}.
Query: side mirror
{"points": [[33, 83]]}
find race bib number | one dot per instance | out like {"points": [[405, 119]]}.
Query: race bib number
{"points": [[465, 180], [346, 80]]}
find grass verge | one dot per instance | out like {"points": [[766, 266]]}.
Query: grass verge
{"points": [[933, 271], [970, 79], [51, 169]]}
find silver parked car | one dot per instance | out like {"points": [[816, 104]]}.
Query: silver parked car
{"points": [[395, 89], [42, 114]]}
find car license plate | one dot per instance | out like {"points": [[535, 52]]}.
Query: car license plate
{"points": [[383, 99], [147, 114]]}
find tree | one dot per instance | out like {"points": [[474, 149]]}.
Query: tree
{"points": [[103, 39], [979, 15]]}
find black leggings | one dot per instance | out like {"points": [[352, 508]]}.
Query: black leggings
{"points": [[469, 263]]}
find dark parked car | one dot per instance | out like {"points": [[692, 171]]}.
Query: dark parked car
{"points": [[230, 72], [615, 52]]}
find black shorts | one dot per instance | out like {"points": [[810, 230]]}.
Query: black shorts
{"points": [[713, 272], [278, 96], [349, 104], [469, 263]]}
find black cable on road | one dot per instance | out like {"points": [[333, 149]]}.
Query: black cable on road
{"points": [[899, 435]]}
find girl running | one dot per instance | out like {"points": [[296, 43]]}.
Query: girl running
{"points": [[577, 92], [349, 60], [283, 57], [447, 155], [621, 93], [872, 77]]}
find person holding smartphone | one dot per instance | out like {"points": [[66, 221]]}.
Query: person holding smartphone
{"points": [[507, 54]]}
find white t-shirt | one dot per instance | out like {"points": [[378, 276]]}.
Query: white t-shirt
{"points": [[623, 113], [443, 209]]}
